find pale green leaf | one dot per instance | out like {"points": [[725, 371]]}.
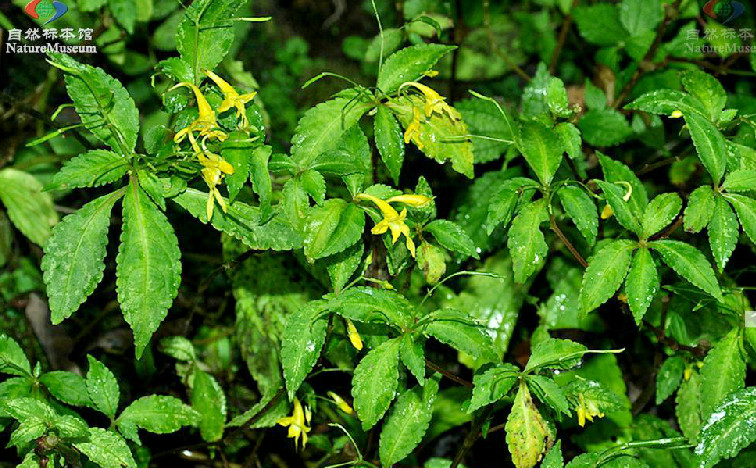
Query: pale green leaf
{"points": [[159, 414], [689, 262], [638, 16], [742, 180], [669, 377], [374, 382], [688, 406], [555, 353], [236, 150], [528, 434], [452, 237], [67, 387], [102, 388], [12, 358], [548, 393], [700, 209], [723, 232], [301, 343], [541, 148], [746, 209], [413, 356], [341, 267], [642, 283], [623, 210], [366, 304], [209, 401], [614, 172], [90, 169], [332, 228], [106, 449], [605, 273], [526, 243], [604, 127], [723, 372], [492, 385], [492, 125], [660, 212], [458, 330], [667, 101], [553, 458], [729, 429], [28, 207], [706, 89], [409, 64], [261, 182]]}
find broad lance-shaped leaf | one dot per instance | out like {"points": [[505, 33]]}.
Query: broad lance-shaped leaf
{"points": [[148, 265], [407, 423], [103, 104], [74, 254], [528, 434], [688, 406], [102, 388], [542, 150], [409, 64], [106, 449], [322, 126], [690, 263], [700, 209], [389, 141], [206, 33], [332, 228], [159, 414], [302, 342], [723, 372], [549, 393], [261, 182], [366, 304], [624, 211], [556, 353], [412, 354], [709, 143], [582, 210], [67, 387], [669, 377], [236, 151], [554, 458], [457, 329], [723, 232], [492, 385], [12, 358], [90, 169], [209, 401], [605, 273], [706, 89], [31, 210], [742, 180], [526, 243], [729, 429], [374, 382], [642, 283], [243, 222], [746, 209], [667, 101], [452, 237], [484, 117], [621, 175], [660, 212]]}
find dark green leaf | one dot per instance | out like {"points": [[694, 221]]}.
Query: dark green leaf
{"points": [[605, 273], [374, 383]]}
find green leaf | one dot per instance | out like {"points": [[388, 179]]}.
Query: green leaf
{"points": [[342, 266], [660, 212], [74, 255], [67, 387], [206, 33], [549, 393], [605, 273], [723, 232], [502, 204], [102, 388], [700, 209], [413, 356], [729, 429], [526, 243], [614, 172], [742, 180], [70, 427], [600, 24], [91, 169], [322, 126], [209, 401], [159, 414], [689, 262], [604, 127], [669, 377], [431, 261], [555, 353], [332, 228], [12, 358], [314, 184], [30, 209], [389, 141], [366, 304], [452, 237], [723, 372], [374, 382], [26, 432], [485, 118], [407, 423], [556, 98], [667, 101], [528, 434], [554, 458], [688, 406], [580, 207], [103, 105], [148, 266], [178, 348], [492, 385], [706, 89], [301, 343], [261, 182], [709, 143], [541, 148], [642, 283], [458, 330], [638, 16], [243, 222], [153, 186], [106, 449], [623, 210], [571, 139], [125, 12], [746, 209], [409, 64], [236, 151]]}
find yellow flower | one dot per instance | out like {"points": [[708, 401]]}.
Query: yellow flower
{"points": [[340, 403], [607, 212], [231, 98], [434, 102], [413, 200], [214, 168], [587, 410], [676, 114], [354, 336], [391, 220], [206, 123], [297, 422], [413, 129]]}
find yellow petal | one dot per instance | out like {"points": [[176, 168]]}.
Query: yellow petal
{"points": [[205, 111], [676, 114], [354, 336], [607, 212], [226, 88], [415, 201], [386, 210], [581, 416], [688, 373], [340, 403]]}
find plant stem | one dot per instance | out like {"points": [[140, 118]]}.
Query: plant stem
{"points": [[566, 242]]}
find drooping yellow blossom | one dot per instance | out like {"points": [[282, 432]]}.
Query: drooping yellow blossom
{"points": [[206, 124], [231, 98], [587, 410], [413, 200], [214, 168], [607, 212], [298, 423], [434, 102], [413, 129], [687, 373], [391, 220], [354, 335], [340, 403]]}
